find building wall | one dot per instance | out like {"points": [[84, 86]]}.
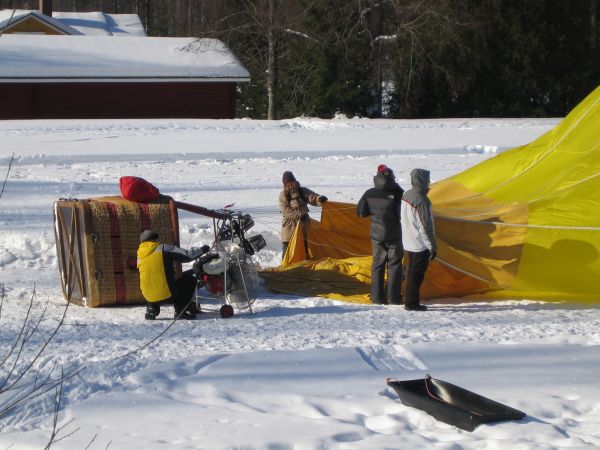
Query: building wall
{"points": [[117, 100], [31, 25]]}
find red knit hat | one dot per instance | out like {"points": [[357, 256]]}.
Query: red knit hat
{"points": [[385, 170]]}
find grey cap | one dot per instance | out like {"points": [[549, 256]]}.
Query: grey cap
{"points": [[148, 235]]}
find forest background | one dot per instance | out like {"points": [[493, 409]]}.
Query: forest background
{"points": [[389, 58]]}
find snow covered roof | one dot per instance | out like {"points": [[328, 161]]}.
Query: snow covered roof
{"points": [[8, 18], [102, 24], [74, 23], [44, 58]]}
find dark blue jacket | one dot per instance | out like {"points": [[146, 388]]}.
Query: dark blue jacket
{"points": [[382, 203]]}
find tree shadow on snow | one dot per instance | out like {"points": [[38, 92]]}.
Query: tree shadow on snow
{"points": [[490, 306], [286, 312]]}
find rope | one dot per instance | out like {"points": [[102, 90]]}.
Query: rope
{"points": [[274, 211], [435, 397], [465, 272]]}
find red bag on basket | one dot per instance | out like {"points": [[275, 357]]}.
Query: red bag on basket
{"points": [[137, 189]]}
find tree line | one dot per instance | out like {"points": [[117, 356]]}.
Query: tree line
{"points": [[389, 58]]}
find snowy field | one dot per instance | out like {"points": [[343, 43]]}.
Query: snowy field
{"points": [[298, 373]]}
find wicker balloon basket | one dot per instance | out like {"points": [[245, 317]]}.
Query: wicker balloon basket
{"points": [[97, 241]]}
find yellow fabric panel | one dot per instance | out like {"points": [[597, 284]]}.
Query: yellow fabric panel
{"points": [[487, 251], [561, 263], [324, 243], [576, 203], [329, 273], [341, 218], [442, 280], [478, 235], [295, 253], [339, 234], [556, 178], [339, 262], [340, 279], [451, 199], [545, 165]]}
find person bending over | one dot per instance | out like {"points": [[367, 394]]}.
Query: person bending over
{"points": [[157, 276]]}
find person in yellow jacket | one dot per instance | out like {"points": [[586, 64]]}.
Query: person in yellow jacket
{"points": [[157, 276]]}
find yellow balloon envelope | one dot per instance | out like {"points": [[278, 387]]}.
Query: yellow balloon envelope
{"points": [[524, 224]]}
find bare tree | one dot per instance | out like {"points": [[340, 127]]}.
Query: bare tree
{"points": [[8, 22], [56, 429], [20, 377], [407, 36], [268, 26]]}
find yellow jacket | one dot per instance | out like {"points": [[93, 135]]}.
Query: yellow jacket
{"points": [[153, 279], [155, 263]]}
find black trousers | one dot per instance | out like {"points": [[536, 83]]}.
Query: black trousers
{"points": [[415, 274], [181, 293], [183, 290], [386, 253]]}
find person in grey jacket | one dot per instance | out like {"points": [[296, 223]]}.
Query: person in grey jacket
{"points": [[418, 234], [382, 204]]}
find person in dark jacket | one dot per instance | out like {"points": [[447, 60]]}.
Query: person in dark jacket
{"points": [[382, 204], [157, 276], [293, 204], [418, 233]]}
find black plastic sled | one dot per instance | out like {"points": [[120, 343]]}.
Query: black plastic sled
{"points": [[452, 404]]}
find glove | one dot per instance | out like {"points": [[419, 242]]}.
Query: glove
{"points": [[433, 255], [206, 258], [200, 250], [322, 199]]}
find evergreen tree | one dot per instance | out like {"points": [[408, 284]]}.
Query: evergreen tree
{"points": [[393, 58], [339, 81]]}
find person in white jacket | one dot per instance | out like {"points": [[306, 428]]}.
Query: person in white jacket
{"points": [[418, 235]]}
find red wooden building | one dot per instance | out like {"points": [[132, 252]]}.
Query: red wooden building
{"points": [[44, 76]]}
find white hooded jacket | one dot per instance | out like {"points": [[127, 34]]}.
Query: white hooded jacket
{"points": [[416, 215]]}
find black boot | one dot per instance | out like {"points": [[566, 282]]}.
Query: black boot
{"points": [[186, 315], [152, 311], [415, 307], [193, 309], [379, 302]]}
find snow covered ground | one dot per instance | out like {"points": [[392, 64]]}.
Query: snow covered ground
{"points": [[299, 373]]}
